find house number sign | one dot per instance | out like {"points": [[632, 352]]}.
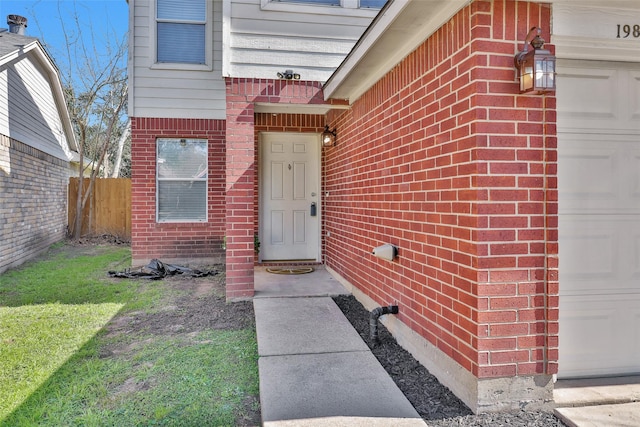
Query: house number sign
{"points": [[626, 31]]}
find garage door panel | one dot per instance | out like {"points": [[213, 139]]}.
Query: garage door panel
{"points": [[587, 178], [634, 96], [634, 176], [599, 254], [593, 255], [593, 95], [599, 173], [584, 326], [635, 337], [635, 254], [588, 94], [590, 327]]}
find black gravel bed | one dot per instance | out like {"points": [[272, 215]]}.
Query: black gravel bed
{"points": [[435, 403]]}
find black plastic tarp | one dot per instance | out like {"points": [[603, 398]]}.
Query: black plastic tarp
{"points": [[157, 270]]}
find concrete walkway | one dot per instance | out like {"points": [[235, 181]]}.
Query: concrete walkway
{"points": [[315, 370], [601, 402]]}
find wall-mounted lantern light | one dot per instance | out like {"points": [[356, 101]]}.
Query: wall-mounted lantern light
{"points": [[288, 75], [536, 66], [328, 137]]}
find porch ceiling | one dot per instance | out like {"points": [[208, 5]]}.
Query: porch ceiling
{"points": [[263, 107], [400, 27]]}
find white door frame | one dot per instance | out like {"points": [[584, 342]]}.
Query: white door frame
{"points": [[262, 202]]}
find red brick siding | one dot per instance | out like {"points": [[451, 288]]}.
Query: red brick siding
{"points": [[445, 159], [189, 241], [241, 183]]}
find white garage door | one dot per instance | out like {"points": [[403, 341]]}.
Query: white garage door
{"points": [[599, 217]]}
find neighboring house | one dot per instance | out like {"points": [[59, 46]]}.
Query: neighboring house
{"points": [[516, 215], [36, 144], [88, 166]]}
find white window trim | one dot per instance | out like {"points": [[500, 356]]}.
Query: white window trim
{"points": [[206, 186], [208, 43], [346, 8]]}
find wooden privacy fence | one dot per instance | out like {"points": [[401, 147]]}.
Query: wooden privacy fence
{"points": [[108, 210]]}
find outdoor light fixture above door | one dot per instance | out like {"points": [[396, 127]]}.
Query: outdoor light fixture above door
{"points": [[328, 137], [536, 66], [288, 75]]}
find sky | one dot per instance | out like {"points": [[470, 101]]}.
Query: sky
{"points": [[48, 20]]}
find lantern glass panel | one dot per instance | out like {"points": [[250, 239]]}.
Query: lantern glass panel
{"points": [[545, 73], [526, 75]]}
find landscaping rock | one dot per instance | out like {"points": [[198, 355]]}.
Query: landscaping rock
{"points": [[435, 403]]}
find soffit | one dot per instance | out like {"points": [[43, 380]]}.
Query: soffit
{"points": [[262, 107]]}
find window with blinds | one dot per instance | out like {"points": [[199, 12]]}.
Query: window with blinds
{"points": [[181, 171], [373, 4], [180, 31]]}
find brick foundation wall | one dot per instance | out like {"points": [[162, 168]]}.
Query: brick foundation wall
{"points": [[33, 201], [176, 242], [445, 159]]}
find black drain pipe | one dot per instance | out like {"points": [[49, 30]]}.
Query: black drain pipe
{"points": [[373, 320]]}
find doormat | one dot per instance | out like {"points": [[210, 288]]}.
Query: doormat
{"points": [[290, 270]]}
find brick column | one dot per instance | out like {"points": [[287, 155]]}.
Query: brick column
{"points": [[240, 179]]}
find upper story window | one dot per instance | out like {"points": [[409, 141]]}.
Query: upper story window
{"points": [[374, 4], [181, 31]]}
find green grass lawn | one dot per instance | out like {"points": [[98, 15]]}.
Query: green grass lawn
{"points": [[53, 370]]}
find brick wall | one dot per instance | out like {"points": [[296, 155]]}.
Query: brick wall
{"points": [[33, 201], [241, 95], [176, 242], [445, 159]]}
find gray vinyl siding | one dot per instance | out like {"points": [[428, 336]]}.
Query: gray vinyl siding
{"points": [[260, 41], [168, 91], [28, 111], [311, 40]]}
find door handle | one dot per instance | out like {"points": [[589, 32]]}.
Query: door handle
{"points": [[313, 209]]}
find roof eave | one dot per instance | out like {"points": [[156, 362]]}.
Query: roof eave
{"points": [[17, 52], [400, 27], [58, 93]]}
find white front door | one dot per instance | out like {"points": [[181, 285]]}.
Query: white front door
{"points": [[289, 196], [599, 217]]}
